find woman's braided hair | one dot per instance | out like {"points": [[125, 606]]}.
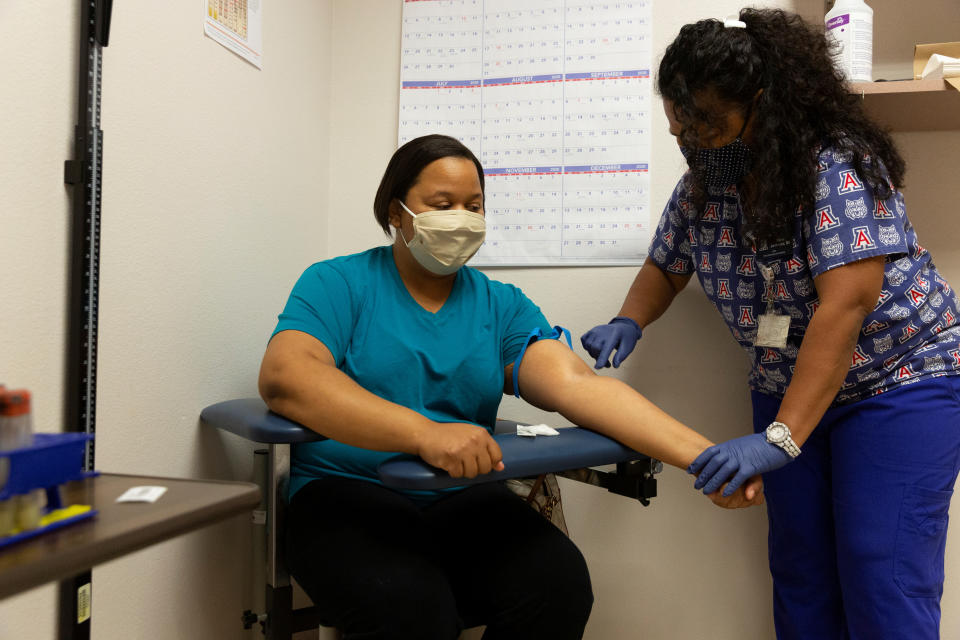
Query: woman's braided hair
{"points": [[805, 103]]}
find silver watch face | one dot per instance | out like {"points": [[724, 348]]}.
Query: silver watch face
{"points": [[777, 433]]}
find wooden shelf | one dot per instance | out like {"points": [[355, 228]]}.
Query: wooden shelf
{"points": [[911, 105], [901, 86]]}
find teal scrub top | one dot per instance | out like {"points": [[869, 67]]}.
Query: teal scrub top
{"points": [[447, 365]]}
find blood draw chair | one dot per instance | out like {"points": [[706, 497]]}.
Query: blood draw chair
{"points": [[570, 454]]}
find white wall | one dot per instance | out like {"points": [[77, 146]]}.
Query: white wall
{"points": [[222, 184], [215, 194]]}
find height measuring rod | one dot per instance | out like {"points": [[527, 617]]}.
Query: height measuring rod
{"points": [[85, 173]]}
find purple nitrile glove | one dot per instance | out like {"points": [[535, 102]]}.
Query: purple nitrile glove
{"points": [[621, 334], [740, 458]]}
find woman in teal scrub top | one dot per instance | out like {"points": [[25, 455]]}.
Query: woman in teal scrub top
{"points": [[402, 349]]}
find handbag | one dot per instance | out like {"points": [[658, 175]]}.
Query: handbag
{"points": [[542, 493]]}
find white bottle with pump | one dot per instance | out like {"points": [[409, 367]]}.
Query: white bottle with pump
{"points": [[850, 23]]}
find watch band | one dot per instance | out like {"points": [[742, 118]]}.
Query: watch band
{"points": [[778, 434]]}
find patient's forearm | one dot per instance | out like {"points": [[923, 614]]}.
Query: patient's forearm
{"points": [[555, 379], [323, 398]]}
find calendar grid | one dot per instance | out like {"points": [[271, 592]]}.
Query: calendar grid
{"points": [[553, 98]]}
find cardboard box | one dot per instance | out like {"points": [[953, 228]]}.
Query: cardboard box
{"points": [[922, 53]]}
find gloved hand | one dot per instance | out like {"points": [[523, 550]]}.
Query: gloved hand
{"points": [[621, 334], [740, 458]]}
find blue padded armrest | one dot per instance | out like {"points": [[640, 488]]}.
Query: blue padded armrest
{"points": [[249, 418], [522, 456]]}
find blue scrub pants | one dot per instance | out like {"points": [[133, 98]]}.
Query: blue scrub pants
{"points": [[858, 522]]}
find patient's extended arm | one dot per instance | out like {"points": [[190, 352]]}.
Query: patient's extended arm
{"points": [[554, 378], [299, 380]]}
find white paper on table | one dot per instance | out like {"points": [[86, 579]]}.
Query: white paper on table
{"points": [[533, 430], [142, 494]]}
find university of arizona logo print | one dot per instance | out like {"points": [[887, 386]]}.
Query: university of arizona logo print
{"points": [[849, 182]]}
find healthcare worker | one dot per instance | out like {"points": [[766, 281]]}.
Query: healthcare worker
{"points": [[792, 218]]}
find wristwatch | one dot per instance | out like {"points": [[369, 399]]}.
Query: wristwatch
{"points": [[779, 434]]}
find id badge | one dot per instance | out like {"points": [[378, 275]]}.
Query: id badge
{"points": [[772, 331]]}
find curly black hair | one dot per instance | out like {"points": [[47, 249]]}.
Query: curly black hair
{"points": [[805, 103]]}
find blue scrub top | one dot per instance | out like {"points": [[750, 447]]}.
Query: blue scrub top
{"points": [[446, 365], [913, 333]]}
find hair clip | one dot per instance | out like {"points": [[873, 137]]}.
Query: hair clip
{"points": [[734, 22]]}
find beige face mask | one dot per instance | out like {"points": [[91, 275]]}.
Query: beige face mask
{"points": [[444, 240]]}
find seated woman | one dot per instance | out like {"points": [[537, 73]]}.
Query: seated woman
{"points": [[403, 350]]}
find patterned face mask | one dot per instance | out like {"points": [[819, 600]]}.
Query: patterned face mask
{"points": [[723, 166]]}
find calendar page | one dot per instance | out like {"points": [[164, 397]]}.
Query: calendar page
{"points": [[553, 97]]}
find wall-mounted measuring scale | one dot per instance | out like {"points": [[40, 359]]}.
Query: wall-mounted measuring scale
{"points": [[85, 173]]}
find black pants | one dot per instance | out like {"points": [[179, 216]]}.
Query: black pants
{"points": [[379, 566]]}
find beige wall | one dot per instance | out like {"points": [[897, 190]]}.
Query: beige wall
{"points": [[215, 196], [222, 183]]}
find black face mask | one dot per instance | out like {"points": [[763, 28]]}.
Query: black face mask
{"points": [[723, 166]]}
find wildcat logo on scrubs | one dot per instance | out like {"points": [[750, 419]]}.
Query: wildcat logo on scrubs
{"points": [[882, 345], [881, 211], [723, 262], [831, 247], [707, 235], [825, 219], [849, 182], [803, 287], [822, 189], [935, 363], [855, 209], [859, 358], [862, 241]]}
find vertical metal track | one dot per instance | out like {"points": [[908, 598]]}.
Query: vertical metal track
{"points": [[84, 172]]}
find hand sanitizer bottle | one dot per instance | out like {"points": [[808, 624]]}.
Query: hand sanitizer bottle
{"points": [[850, 23]]}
